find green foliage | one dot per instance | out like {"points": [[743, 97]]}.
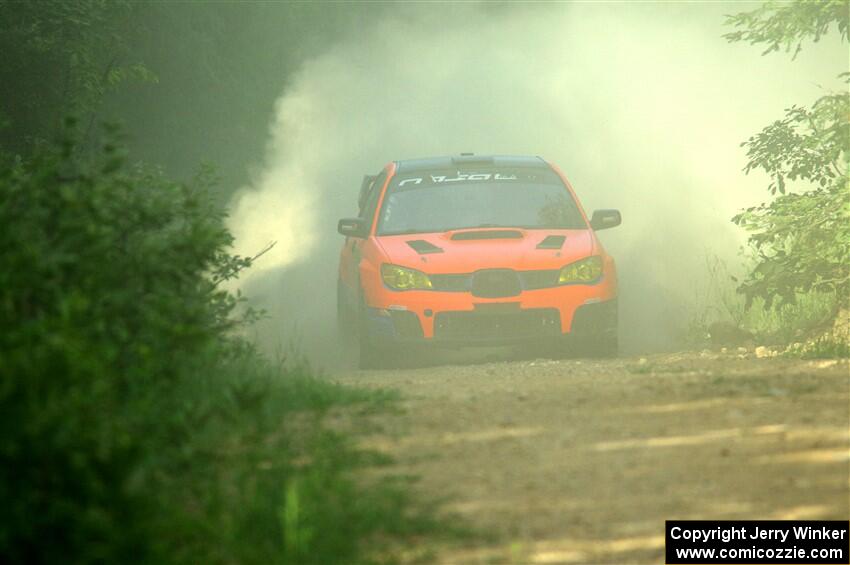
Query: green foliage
{"points": [[136, 428], [801, 239], [717, 301], [255, 478], [783, 25], [807, 145], [808, 314], [802, 244], [61, 58], [103, 299], [168, 70]]}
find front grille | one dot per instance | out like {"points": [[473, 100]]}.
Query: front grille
{"points": [[451, 283], [497, 324], [529, 280], [495, 283]]}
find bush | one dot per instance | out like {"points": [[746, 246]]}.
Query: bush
{"points": [[720, 314], [136, 428]]}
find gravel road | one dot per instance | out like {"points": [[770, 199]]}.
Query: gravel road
{"points": [[581, 461]]}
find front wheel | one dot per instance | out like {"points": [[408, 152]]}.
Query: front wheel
{"points": [[345, 317], [372, 354]]}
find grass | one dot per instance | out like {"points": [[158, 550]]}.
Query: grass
{"points": [[278, 484], [807, 319], [789, 322], [823, 347], [137, 426]]}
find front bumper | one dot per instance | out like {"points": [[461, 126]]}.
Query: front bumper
{"points": [[527, 319]]}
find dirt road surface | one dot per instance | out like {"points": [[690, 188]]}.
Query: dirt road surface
{"points": [[581, 461]]}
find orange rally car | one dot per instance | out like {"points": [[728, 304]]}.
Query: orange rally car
{"points": [[475, 250]]}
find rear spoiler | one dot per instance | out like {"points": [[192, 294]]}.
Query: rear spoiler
{"points": [[365, 189]]}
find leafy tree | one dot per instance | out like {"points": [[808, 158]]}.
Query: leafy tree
{"points": [[168, 71], [61, 58], [136, 426], [783, 25], [801, 239]]}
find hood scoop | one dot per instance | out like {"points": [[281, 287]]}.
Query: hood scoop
{"points": [[423, 247], [486, 234], [552, 242]]}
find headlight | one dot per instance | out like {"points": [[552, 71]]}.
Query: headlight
{"points": [[401, 278], [584, 271]]}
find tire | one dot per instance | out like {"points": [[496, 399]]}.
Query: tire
{"points": [[594, 329], [345, 318], [372, 355]]}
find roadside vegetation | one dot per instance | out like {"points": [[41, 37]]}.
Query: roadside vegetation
{"points": [[138, 426], [796, 291], [721, 317]]}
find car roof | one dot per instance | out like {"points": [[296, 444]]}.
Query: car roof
{"points": [[468, 159]]}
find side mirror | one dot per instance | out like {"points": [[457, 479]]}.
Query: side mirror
{"points": [[604, 219], [353, 227]]}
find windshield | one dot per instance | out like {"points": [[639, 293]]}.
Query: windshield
{"points": [[445, 200]]}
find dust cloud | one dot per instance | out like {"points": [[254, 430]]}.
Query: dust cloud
{"points": [[642, 105]]}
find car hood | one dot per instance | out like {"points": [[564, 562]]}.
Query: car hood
{"points": [[469, 250]]}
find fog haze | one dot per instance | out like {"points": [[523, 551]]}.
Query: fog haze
{"points": [[643, 106]]}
